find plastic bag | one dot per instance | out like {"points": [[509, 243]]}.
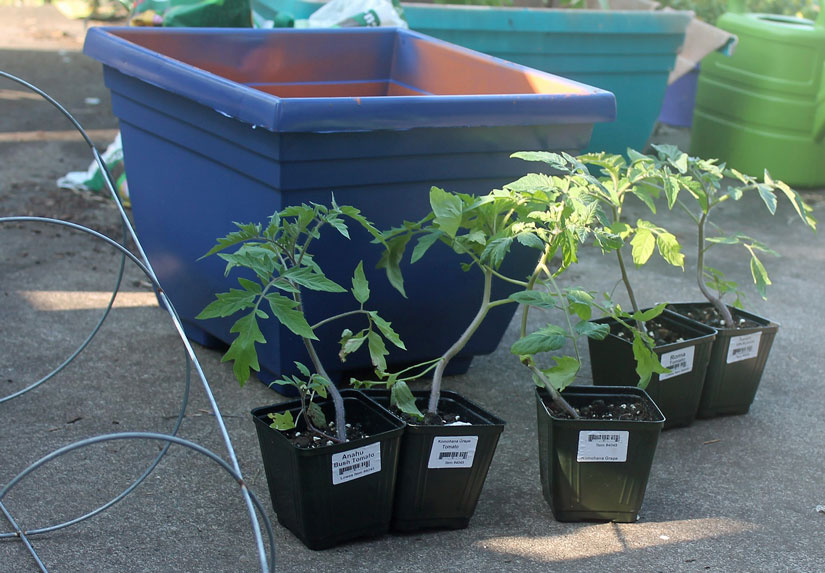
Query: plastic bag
{"points": [[355, 13], [92, 178], [192, 13]]}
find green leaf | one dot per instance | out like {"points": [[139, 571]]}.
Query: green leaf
{"points": [[530, 240], [496, 251], [760, 276], [802, 209], [723, 240], [553, 159], [360, 286], [650, 313], [339, 225], [537, 298], [531, 183], [549, 338], [670, 249], [386, 329], [378, 351], [228, 303], [644, 197], [282, 420], [580, 303], [391, 261], [593, 330], [643, 244], [316, 415], [671, 186], [242, 350], [447, 209], [245, 232], [768, 197], [303, 369], [287, 312], [563, 373], [319, 384], [402, 398], [425, 242], [646, 362], [349, 344], [310, 277]]}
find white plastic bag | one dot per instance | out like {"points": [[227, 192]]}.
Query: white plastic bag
{"points": [[355, 13]]}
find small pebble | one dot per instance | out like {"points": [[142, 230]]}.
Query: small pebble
{"points": [[329, 442], [297, 434]]}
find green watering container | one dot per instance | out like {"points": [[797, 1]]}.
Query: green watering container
{"points": [[629, 49], [764, 106]]}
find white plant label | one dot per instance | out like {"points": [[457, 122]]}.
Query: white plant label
{"points": [[679, 362], [603, 446], [452, 452], [743, 347], [357, 463]]}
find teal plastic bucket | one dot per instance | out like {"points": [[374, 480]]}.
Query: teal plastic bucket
{"points": [[629, 52]]}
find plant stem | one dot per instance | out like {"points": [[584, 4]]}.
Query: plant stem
{"points": [[531, 283], [337, 399], [626, 280], [700, 276], [435, 391], [554, 394]]}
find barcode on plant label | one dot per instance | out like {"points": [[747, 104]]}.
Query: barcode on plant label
{"points": [[602, 446], [743, 347], [678, 361], [357, 463], [452, 452]]}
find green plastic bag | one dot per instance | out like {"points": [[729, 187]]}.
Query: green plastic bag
{"points": [[192, 13]]}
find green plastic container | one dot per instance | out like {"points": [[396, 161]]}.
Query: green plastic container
{"points": [[764, 106], [629, 50], [575, 483]]}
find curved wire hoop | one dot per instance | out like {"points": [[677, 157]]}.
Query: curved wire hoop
{"points": [[254, 507], [138, 436]]}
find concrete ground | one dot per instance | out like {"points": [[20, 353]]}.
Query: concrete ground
{"points": [[735, 493]]}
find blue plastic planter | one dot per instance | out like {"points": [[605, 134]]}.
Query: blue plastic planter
{"points": [[233, 125], [629, 52]]}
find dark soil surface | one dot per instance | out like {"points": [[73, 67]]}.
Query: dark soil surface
{"points": [[661, 333], [710, 316], [430, 419], [619, 408], [301, 438]]}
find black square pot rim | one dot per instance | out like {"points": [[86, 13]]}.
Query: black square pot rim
{"points": [[708, 332], [491, 419], [766, 324], [592, 390], [260, 413]]}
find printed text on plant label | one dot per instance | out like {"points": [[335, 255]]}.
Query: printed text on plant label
{"points": [[353, 464], [452, 452], [679, 362], [743, 347], [603, 446]]}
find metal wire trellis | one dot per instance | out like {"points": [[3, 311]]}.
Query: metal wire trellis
{"points": [[254, 508]]}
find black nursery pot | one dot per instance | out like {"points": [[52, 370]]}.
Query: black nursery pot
{"points": [[596, 470], [678, 393], [736, 363], [442, 469], [333, 494]]}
